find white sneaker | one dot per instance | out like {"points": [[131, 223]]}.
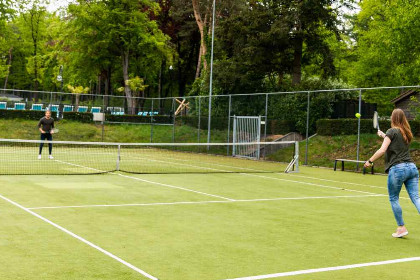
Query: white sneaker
{"points": [[39, 156], [50, 157], [399, 235]]}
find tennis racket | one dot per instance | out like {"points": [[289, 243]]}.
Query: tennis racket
{"points": [[376, 120], [53, 131]]}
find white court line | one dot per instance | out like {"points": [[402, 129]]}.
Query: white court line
{"points": [[174, 187], [325, 269], [266, 177], [306, 183], [81, 239], [203, 202], [285, 174], [151, 182]]}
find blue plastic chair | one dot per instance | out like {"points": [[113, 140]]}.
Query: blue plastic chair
{"points": [[54, 108], [37, 107], [20, 106], [82, 109], [67, 108], [3, 105], [95, 110]]}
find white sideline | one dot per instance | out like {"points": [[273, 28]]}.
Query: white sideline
{"points": [[325, 269], [306, 183], [81, 239], [202, 202]]}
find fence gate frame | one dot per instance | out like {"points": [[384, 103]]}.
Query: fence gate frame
{"points": [[247, 129]]}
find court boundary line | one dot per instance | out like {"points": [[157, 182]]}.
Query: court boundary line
{"points": [[83, 240], [326, 269], [203, 202]]}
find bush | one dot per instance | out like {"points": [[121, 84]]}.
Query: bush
{"points": [[349, 126], [27, 114], [280, 127], [80, 117], [88, 117], [138, 119]]}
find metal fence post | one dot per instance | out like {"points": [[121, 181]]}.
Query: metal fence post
{"points": [[199, 119], [151, 123], [358, 129], [173, 120], [228, 132], [307, 128]]}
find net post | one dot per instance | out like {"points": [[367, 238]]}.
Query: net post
{"points": [[118, 158]]}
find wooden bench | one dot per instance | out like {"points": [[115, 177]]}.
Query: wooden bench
{"points": [[354, 161]]}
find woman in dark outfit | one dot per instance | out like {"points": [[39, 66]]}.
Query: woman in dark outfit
{"points": [[399, 166]]}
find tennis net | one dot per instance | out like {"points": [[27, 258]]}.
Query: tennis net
{"points": [[20, 157]]}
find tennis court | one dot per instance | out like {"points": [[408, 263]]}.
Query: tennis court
{"points": [[215, 222]]}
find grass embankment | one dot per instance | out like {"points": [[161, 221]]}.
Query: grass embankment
{"points": [[76, 131], [323, 150]]}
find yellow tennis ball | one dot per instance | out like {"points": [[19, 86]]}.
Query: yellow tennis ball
{"points": [[358, 115]]}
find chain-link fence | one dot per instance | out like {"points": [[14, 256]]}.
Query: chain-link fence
{"points": [[285, 115]]}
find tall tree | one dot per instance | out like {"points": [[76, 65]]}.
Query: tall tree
{"points": [[126, 31], [34, 22]]}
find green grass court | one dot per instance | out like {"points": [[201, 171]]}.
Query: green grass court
{"points": [[203, 226]]}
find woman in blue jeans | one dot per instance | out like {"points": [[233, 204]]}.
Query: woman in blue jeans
{"points": [[399, 166]]}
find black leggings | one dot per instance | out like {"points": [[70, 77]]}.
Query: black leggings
{"points": [[46, 136]]}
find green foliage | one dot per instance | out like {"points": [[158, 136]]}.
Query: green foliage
{"points": [[328, 127], [26, 114], [80, 117], [388, 52]]}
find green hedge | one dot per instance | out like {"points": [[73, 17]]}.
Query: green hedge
{"points": [[280, 126], [328, 127], [139, 119], [80, 117], [88, 117], [27, 114]]}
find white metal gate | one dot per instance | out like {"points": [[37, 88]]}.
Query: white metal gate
{"points": [[246, 130]]}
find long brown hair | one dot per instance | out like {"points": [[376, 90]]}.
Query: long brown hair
{"points": [[398, 120]]}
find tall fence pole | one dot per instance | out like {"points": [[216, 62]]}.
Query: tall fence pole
{"points": [[211, 72], [173, 120], [307, 128], [265, 123], [199, 120], [358, 129], [228, 132], [151, 123]]}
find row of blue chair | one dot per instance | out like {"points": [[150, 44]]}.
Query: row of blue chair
{"points": [[52, 108], [70, 108]]}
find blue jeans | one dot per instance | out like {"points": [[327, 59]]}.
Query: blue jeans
{"points": [[399, 174]]}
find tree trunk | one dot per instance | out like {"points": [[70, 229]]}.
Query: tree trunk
{"points": [[9, 63], [77, 101], [201, 25], [297, 61], [130, 100]]}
